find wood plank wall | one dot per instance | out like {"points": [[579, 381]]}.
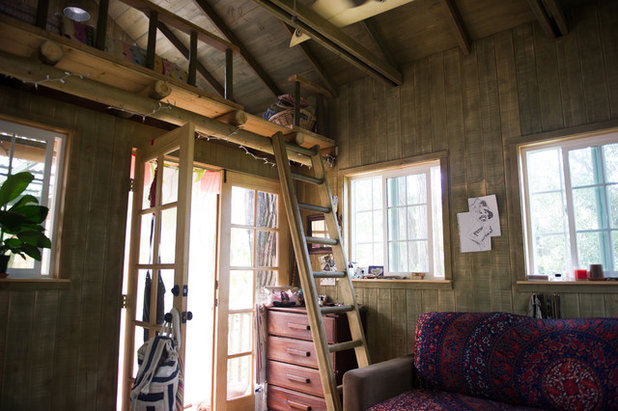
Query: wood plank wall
{"points": [[518, 82], [59, 344]]}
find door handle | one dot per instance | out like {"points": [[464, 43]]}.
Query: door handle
{"points": [[296, 326], [299, 353], [298, 406], [297, 378]]}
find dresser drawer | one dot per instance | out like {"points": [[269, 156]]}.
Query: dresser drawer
{"points": [[299, 352], [283, 399], [295, 325], [298, 378]]}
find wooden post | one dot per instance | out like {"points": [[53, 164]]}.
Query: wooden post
{"points": [[102, 24], [229, 74], [41, 13], [192, 58], [297, 103], [152, 39]]}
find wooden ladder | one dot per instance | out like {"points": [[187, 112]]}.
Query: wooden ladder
{"points": [[332, 392]]}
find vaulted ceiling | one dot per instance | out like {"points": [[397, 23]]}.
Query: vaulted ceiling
{"points": [[396, 33]]}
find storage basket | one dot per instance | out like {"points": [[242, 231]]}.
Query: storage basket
{"points": [[286, 118]]}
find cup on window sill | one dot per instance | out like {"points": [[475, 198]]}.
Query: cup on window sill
{"points": [[595, 272], [581, 274]]}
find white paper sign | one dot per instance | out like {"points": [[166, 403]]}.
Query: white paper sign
{"points": [[477, 226]]}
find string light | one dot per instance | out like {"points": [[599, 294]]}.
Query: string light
{"points": [[62, 79], [167, 106]]}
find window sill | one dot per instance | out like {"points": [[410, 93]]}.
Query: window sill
{"points": [[569, 286], [408, 284], [34, 283]]}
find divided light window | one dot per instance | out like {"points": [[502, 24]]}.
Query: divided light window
{"points": [[396, 220], [24, 148], [570, 205]]}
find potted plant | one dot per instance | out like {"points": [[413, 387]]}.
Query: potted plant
{"points": [[21, 229]]}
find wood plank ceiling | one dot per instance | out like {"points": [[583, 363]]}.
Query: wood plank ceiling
{"points": [[261, 69]]}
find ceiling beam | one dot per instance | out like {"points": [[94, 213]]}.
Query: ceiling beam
{"points": [[550, 16], [330, 37], [459, 28], [315, 63], [185, 52], [376, 35], [244, 52]]}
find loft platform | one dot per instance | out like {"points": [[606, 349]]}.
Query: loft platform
{"points": [[122, 76]]}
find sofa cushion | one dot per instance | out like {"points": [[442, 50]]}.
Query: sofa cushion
{"points": [[552, 364], [423, 399]]}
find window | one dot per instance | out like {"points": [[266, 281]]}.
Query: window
{"points": [[570, 205], [38, 151], [395, 220]]}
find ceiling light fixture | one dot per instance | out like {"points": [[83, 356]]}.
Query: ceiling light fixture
{"points": [[76, 10]]}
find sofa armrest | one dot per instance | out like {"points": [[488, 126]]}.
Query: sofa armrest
{"points": [[367, 386]]}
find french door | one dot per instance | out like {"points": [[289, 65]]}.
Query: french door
{"points": [[253, 253], [159, 244]]}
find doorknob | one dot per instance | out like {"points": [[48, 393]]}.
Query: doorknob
{"points": [[187, 316], [176, 290]]}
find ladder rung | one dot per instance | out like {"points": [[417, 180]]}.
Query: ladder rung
{"points": [[307, 179], [336, 309], [328, 274], [316, 208], [321, 240], [348, 345], [298, 149]]}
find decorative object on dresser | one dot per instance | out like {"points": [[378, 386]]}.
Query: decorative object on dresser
{"points": [[292, 368]]}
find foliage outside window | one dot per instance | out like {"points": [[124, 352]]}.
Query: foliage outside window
{"points": [[38, 151], [570, 205], [395, 219]]}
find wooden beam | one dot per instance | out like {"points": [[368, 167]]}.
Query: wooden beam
{"points": [[229, 75], [210, 79], [244, 52], [153, 21], [192, 58], [329, 36], [459, 28], [310, 85], [50, 52], [313, 60], [185, 26], [376, 35], [158, 90], [102, 24], [26, 69], [555, 12], [548, 26]]}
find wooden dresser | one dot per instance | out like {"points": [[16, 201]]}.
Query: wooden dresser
{"points": [[292, 367]]}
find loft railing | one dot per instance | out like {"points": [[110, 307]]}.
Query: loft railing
{"points": [[161, 19]]}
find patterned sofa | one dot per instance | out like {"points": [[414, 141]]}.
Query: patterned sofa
{"points": [[495, 361]]}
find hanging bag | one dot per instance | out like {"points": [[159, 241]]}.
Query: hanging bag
{"points": [[156, 384]]}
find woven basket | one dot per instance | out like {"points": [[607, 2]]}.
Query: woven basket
{"points": [[285, 118]]}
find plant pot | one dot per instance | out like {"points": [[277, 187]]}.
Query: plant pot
{"points": [[4, 262]]}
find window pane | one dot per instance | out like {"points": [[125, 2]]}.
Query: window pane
{"points": [[145, 248], [169, 188], [167, 249], [241, 247], [377, 193], [416, 189], [419, 256], [364, 255], [397, 257], [378, 254], [266, 210], [242, 205], [589, 248], [239, 333], [165, 297], [587, 213], [548, 213], [378, 230], [610, 154], [581, 167], [417, 222], [363, 227], [544, 170], [266, 249], [397, 224], [238, 377], [241, 289], [436, 221], [612, 193], [396, 188], [362, 194], [265, 279], [149, 184], [550, 254], [615, 241]]}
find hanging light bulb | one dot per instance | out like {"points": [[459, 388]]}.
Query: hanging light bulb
{"points": [[76, 10]]}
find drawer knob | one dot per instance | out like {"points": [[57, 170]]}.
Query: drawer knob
{"points": [[298, 378], [298, 406], [296, 326], [299, 353]]}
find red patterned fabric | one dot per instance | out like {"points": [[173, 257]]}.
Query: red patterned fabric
{"points": [[421, 400], [551, 364]]}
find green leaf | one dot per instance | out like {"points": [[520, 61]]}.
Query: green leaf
{"points": [[34, 214], [12, 222], [32, 251], [13, 186], [35, 238], [23, 201]]}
